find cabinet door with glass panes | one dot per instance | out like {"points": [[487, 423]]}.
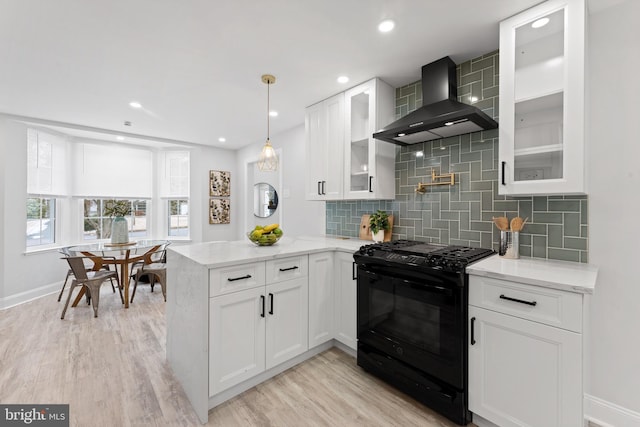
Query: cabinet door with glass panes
{"points": [[369, 164], [542, 100]]}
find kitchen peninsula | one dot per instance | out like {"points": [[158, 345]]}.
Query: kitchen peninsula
{"points": [[238, 314]]}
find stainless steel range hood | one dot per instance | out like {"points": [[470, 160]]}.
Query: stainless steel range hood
{"points": [[441, 115]]}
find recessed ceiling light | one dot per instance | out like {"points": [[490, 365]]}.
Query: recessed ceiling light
{"points": [[386, 26], [540, 23], [135, 104], [343, 79], [222, 139], [273, 113], [120, 138]]}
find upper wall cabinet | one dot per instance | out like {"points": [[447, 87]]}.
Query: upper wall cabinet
{"points": [[542, 59], [343, 160], [324, 126], [369, 164]]}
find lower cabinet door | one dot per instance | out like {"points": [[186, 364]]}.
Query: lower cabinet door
{"points": [[236, 338], [287, 325], [345, 300], [523, 373], [321, 298]]}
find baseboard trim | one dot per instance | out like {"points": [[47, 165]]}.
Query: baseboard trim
{"points": [[30, 295], [607, 414]]}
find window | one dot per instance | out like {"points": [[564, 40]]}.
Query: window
{"points": [[178, 218], [97, 224], [41, 221], [174, 188]]}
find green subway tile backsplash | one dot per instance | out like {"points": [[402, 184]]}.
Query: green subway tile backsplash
{"points": [[557, 226]]}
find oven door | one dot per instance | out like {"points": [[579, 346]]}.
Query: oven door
{"points": [[415, 318]]}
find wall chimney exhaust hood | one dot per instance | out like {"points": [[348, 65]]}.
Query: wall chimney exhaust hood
{"points": [[441, 115]]}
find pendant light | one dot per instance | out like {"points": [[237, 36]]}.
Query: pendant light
{"points": [[268, 161]]}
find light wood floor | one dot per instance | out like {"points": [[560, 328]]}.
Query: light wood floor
{"points": [[112, 371]]}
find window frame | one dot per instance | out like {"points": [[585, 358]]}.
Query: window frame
{"points": [[56, 223]]}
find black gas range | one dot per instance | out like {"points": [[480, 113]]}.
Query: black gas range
{"points": [[412, 320]]}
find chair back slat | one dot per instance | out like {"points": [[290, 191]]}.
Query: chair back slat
{"points": [[76, 263]]}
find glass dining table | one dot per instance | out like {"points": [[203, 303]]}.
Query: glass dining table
{"points": [[118, 254]]}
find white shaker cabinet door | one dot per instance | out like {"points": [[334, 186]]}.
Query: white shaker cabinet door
{"points": [[287, 315], [523, 373], [321, 298], [236, 338], [346, 304]]}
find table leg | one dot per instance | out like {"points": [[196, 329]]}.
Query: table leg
{"points": [[125, 283], [79, 296]]}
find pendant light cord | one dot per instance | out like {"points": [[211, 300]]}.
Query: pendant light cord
{"points": [[268, 117]]}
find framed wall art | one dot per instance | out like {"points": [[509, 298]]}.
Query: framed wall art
{"points": [[219, 183], [219, 211]]}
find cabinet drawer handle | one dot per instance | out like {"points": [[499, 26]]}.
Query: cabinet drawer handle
{"points": [[271, 303], [354, 271], [319, 191], [295, 267], [370, 184], [504, 164], [323, 189], [473, 330], [262, 301], [533, 303], [233, 279]]}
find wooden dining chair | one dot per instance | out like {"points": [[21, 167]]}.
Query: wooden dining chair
{"points": [[91, 280], [88, 267], [154, 267]]}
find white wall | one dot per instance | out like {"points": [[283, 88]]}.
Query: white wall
{"points": [[298, 216], [614, 208]]}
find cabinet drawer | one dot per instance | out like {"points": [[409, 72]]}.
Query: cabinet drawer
{"points": [[225, 280], [549, 306], [288, 268]]}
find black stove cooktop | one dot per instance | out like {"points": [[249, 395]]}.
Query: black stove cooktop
{"points": [[414, 254]]}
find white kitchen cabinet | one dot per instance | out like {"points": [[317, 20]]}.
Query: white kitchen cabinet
{"points": [[237, 338], [541, 131], [343, 160], [525, 354], [253, 330], [321, 298], [369, 165], [345, 300], [287, 320], [324, 126]]}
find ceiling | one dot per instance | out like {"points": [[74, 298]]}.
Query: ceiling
{"points": [[195, 65]]}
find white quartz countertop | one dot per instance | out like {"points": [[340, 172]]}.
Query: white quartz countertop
{"points": [[563, 275], [221, 254]]}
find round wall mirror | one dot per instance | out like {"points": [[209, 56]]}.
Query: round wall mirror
{"points": [[265, 200]]}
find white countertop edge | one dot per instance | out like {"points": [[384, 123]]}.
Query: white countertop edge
{"points": [[561, 275], [228, 253]]}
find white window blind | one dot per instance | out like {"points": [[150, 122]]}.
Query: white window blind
{"points": [[175, 180], [112, 171], [46, 164]]}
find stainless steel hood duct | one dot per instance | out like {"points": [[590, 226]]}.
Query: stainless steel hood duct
{"points": [[441, 115]]}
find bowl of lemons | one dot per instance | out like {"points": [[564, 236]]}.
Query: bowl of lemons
{"points": [[265, 235]]}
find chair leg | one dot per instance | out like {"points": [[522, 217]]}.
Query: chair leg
{"points": [[95, 299], [64, 310], [119, 289], [135, 286], [64, 284]]}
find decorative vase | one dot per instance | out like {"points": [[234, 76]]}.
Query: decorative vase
{"points": [[119, 230], [378, 237]]}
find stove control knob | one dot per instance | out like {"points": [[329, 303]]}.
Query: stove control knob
{"points": [[370, 251]]}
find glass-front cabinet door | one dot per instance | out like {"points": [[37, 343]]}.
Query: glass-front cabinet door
{"points": [[369, 164], [542, 100]]}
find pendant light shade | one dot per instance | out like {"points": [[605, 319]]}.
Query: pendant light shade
{"points": [[268, 161]]}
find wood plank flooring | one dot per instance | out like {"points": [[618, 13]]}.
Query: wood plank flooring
{"points": [[112, 371]]}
